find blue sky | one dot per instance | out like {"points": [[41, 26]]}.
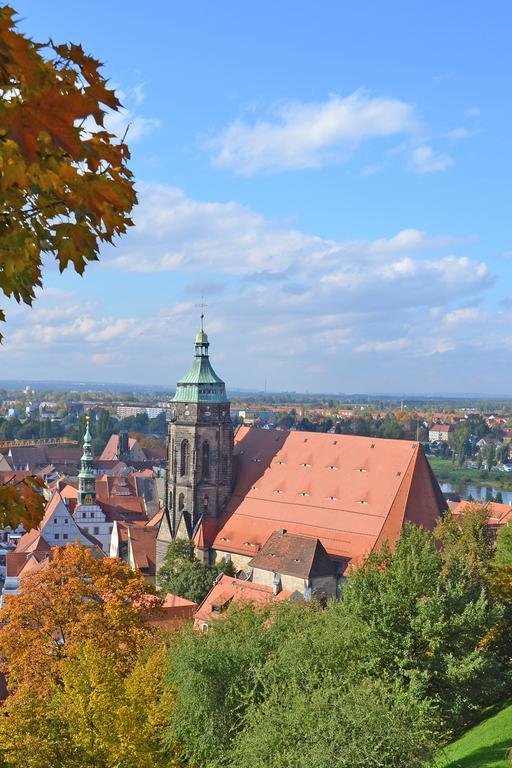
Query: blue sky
{"points": [[334, 179]]}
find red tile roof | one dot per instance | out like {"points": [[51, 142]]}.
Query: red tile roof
{"points": [[174, 601], [499, 514], [143, 548], [32, 541], [350, 492], [229, 590]]}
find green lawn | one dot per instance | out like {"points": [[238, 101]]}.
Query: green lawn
{"points": [[484, 746]]}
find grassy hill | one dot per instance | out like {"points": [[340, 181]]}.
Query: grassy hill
{"points": [[484, 746]]}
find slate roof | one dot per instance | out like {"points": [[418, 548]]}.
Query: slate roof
{"points": [[293, 555], [35, 457]]}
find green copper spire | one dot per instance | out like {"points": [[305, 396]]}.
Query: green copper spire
{"points": [[201, 384], [87, 475]]}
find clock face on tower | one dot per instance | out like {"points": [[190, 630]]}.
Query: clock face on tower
{"points": [[88, 499]]}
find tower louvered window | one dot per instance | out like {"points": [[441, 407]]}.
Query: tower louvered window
{"points": [[185, 457], [206, 459]]}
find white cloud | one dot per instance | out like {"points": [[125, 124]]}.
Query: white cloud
{"points": [[472, 112], [291, 303], [310, 134], [425, 160], [135, 126], [127, 119], [464, 315], [392, 345], [460, 133], [175, 233]]}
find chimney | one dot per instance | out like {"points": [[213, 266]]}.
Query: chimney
{"points": [[276, 584], [123, 444], [282, 531]]}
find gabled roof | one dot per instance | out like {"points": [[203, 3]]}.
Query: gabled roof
{"points": [[111, 450], [293, 555], [349, 492], [229, 590], [142, 545], [32, 541], [175, 601], [499, 514]]}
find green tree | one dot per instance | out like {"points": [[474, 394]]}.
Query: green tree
{"points": [[459, 441], [416, 621], [326, 724], [216, 675], [489, 455], [183, 574], [503, 554], [391, 428], [467, 543]]}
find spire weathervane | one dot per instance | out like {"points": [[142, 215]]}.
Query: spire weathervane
{"points": [[202, 306]]}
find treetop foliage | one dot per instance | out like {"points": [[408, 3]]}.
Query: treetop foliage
{"points": [[77, 596], [183, 574], [65, 186]]}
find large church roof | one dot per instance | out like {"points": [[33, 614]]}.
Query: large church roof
{"points": [[201, 383], [352, 493]]}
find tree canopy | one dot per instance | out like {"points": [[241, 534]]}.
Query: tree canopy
{"points": [[79, 595], [183, 574], [65, 185]]}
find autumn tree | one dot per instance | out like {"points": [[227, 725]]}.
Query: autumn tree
{"points": [[65, 186], [78, 596], [22, 502], [96, 715]]}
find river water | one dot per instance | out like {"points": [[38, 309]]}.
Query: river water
{"points": [[477, 492]]}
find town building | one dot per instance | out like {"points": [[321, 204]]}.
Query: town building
{"points": [[57, 528], [440, 432]]}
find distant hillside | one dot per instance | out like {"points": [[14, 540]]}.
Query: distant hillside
{"points": [[484, 746]]}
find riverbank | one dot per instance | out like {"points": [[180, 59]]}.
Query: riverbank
{"points": [[445, 470]]}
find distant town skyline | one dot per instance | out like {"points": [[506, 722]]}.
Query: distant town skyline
{"points": [[332, 180]]}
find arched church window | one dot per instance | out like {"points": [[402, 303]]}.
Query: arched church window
{"points": [[185, 457], [170, 499], [206, 459], [181, 502], [205, 505]]}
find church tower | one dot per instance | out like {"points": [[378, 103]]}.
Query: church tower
{"points": [[87, 475], [199, 450]]}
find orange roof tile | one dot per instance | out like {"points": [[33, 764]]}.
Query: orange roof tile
{"points": [[499, 514], [229, 590], [350, 492], [143, 547], [172, 601]]}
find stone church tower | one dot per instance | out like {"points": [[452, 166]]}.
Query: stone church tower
{"points": [[199, 451]]}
